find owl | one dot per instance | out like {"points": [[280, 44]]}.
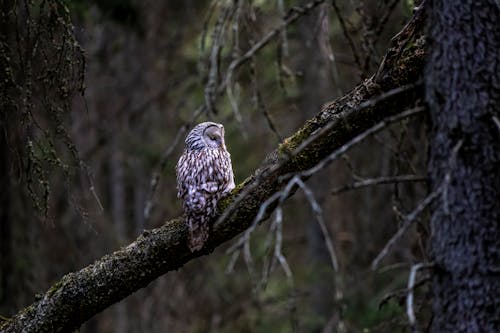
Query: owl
{"points": [[204, 175]]}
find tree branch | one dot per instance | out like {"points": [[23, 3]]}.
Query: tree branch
{"points": [[80, 295]]}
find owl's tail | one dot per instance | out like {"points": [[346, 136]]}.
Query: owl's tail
{"points": [[198, 234]]}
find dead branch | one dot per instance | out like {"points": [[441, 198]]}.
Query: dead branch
{"points": [[408, 221], [378, 181], [347, 36], [356, 140], [80, 295], [441, 191], [409, 299]]}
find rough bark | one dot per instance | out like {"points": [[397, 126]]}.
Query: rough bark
{"points": [[6, 106], [80, 295], [5, 220], [463, 92]]}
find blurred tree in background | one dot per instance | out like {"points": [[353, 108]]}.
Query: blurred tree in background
{"points": [[96, 101]]}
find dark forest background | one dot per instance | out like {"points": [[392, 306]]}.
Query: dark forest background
{"points": [[101, 95]]}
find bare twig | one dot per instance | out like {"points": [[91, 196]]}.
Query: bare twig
{"points": [[377, 128], [278, 244], [378, 181], [267, 265], [236, 29], [318, 213], [217, 42], [260, 215], [325, 46], [409, 299], [347, 36], [366, 104], [284, 39], [496, 121], [406, 224], [292, 304], [232, 262], [259, 103], [378, 31], [206, 20], [408, 220], [402, 293]]}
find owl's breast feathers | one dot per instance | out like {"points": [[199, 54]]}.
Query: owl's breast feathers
{"points": [[203, 176]]}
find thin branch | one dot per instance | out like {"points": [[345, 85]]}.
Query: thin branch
{"points": [[217, 43], [401, 294], [325, 46], [246, 236], [284, 38], [409, 300], [378, 31], [267, 265], [259, 103], [232, 262], [318, 213], [292, 303], [364, 105], [375, 129], [278, 244], [408, 221], [378, 181], [496, 121], [347, 36]]}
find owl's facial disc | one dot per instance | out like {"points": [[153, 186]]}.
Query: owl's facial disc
{"points": [[214, 136]]}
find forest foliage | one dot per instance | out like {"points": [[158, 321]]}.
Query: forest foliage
{"points": [[96, 102]]}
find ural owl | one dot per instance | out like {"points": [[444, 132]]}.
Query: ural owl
{"points": [[204, 175]]}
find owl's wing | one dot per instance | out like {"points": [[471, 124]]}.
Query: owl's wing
{"points": [[182, 176], [209, 187]]}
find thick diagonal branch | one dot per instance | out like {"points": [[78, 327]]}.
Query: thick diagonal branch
{"points": [[80, 295]]}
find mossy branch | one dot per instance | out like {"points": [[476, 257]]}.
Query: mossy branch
{"points": [[80, 295]]}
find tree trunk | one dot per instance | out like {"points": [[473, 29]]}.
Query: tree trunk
{"points": [[5, 222], [5, 184], [463, 92]]}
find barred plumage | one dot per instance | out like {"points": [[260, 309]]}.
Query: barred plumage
{"points": [[204, 175]]}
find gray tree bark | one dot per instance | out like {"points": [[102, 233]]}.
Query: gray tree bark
{"points": [[5, 191], [463, 92], [5, 220], [80, 295]]}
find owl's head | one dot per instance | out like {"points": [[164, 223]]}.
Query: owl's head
{"points": [[206, 135]]}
